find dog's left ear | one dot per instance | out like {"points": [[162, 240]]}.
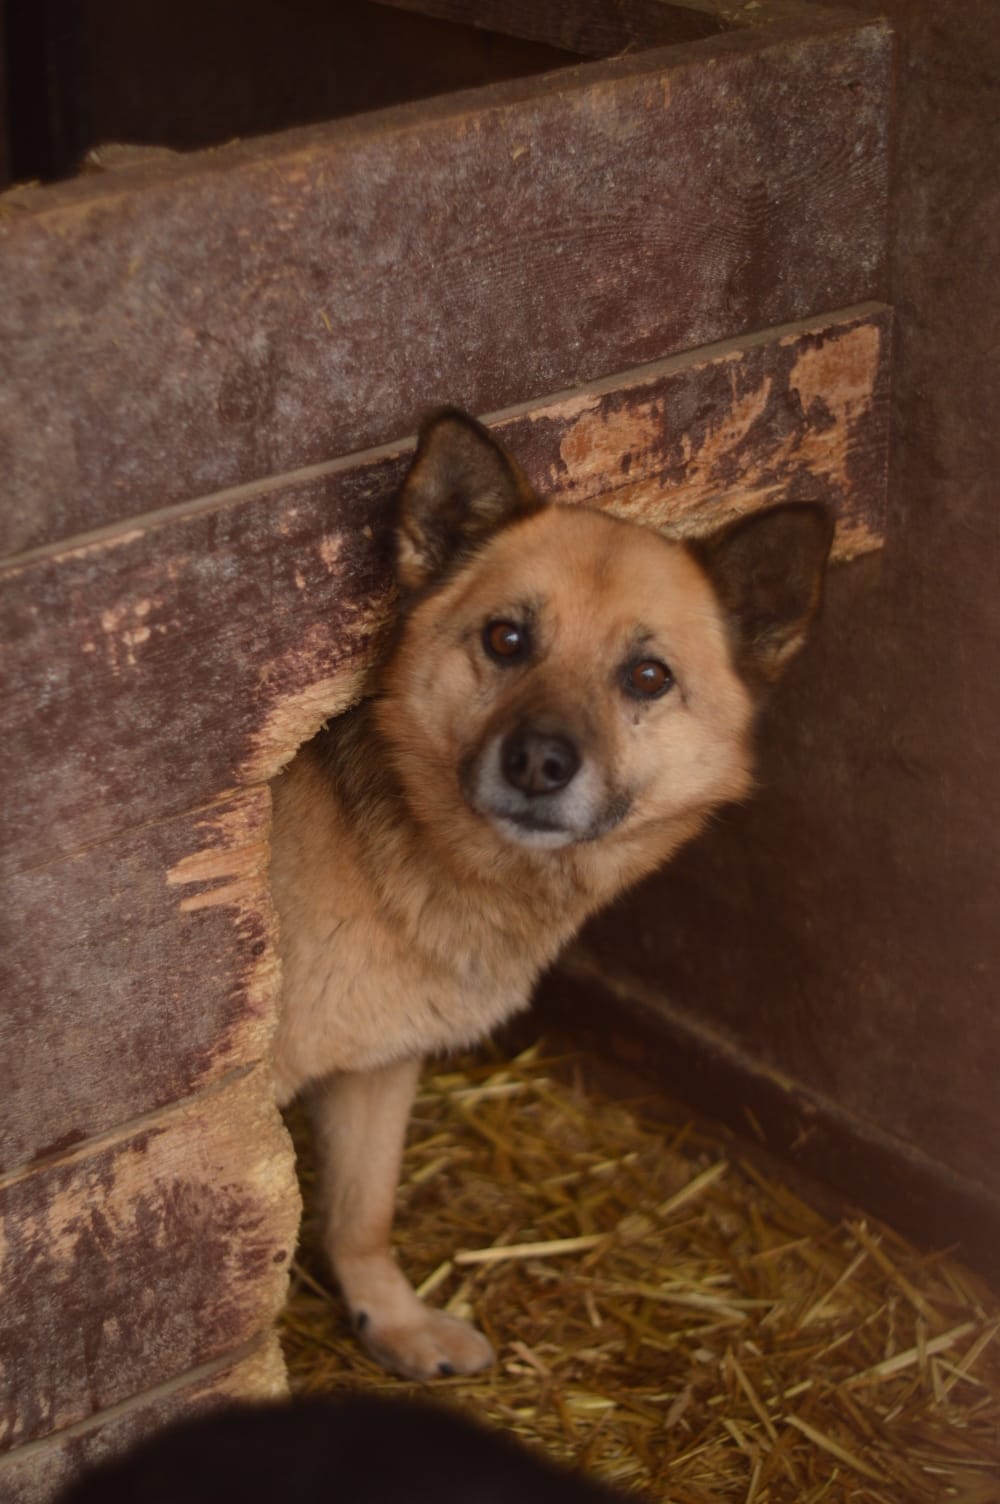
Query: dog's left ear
{"points": [[461, 487], [768, 572]]}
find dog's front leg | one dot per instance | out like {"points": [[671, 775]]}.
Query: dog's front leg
{"points": [[360, 1121]]}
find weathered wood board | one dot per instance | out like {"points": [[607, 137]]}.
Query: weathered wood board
{"points": [[143, 667], [141, 1258], [179, 329], [32, 1474], [124, 991], [160, 665], [166, 663], [798, 413]]}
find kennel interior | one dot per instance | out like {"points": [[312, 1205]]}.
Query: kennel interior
{"points": [[652, 244]]}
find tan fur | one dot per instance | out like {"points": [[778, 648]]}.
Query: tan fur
{"points": [[348, 948], [412, 922]]}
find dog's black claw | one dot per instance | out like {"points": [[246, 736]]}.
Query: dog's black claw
{"points": [[446, 1370], [360, 1320]]}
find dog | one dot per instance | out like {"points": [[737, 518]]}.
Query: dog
{"points": [[362, 1449], [565, 699]]}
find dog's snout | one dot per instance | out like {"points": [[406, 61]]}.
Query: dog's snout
{"points": [[538, 762]]}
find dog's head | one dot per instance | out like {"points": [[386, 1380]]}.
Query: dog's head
{"points": [[560, 674]]}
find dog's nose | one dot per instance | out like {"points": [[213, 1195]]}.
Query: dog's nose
{"points": [[536, 762]]}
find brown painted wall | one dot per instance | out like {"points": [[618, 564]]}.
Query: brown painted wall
{"points": [[844, 929]]}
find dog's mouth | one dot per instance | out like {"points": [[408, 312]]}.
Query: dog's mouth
{"points": [[531, 820], [528, 829]]}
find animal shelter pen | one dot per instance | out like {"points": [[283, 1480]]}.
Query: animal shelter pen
{"points": [[650, 243]]}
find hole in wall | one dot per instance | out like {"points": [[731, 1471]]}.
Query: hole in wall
{"points": [[629, 1260]]}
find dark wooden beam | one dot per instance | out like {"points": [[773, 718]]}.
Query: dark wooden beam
{"points": [[234, 314], [154, 667], [134, 1261], [135, 973], [41, 1468]]}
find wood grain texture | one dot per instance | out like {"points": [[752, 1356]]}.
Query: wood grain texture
{"points": [[133, 974], [800, 414], [155, 669], [34, 1473], [129, 1263], [238, 313], [841, 930]]}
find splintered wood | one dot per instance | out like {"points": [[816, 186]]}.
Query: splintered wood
{"points": [[665, 1315]]}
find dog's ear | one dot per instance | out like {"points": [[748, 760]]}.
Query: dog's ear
{"points": [[461, 487], [768, 572]]}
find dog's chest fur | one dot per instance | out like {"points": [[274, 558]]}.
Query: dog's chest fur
{"points": [[564, 701], [385, 955]]}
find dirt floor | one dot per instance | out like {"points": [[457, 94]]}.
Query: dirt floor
{"points": [[666, 1315]]}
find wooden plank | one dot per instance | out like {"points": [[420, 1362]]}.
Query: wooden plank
{"points": [[122, 992], [33, 1474], [187, 327], [800, 413], [133, 1261], [153, 669]]}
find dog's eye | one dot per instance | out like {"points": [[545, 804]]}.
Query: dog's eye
{"points": [[505, 641], [648, 679]]}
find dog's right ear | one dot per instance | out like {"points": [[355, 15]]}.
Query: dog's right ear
{"points": [[461, 487]]}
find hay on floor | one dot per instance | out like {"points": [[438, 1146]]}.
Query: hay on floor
{"points": [[665, 1315]]}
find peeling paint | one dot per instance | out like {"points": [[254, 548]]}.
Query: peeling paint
{"points": [[641, 212], [230, 870], [224, 895], [298, 716], [799, 417], [292, 716], [596, 439], [174, 1232], [125, 630], [843, 367], [235, 857]]}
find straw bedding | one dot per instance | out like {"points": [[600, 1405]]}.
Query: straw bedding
{"points": [[666, 1315]]}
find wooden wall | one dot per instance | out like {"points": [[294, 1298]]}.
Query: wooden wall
{"points": [[828, 956], [663, 288]]}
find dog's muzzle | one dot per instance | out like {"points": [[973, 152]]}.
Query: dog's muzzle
{"points": [[537, 787]]}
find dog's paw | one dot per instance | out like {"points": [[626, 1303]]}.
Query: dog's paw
{"points": [[432, 1346]]}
